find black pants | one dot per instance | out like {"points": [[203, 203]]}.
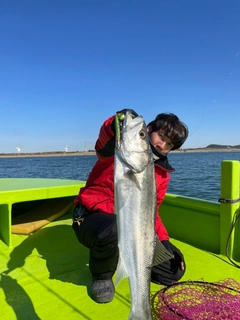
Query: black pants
{"points": [[98, 232]]}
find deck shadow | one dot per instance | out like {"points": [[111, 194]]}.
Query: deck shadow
{"points": [[22, 306], [66, 259]]}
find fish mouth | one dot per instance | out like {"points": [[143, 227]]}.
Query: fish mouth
{"points": [[125, 123], [132, 143]]}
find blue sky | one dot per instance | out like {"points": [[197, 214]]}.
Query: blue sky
{"points": [[66, 66]]}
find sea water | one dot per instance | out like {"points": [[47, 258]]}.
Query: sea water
{"points": [[197, 174]]}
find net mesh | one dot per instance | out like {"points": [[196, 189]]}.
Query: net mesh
{"points": [[200, 300]]}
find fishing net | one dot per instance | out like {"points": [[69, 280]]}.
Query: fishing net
{"points": [[191, 300]]}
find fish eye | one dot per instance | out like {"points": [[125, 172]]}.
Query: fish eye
{"points": [[142, 134]]}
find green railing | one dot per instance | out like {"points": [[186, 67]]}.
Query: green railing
{"points": [[25, 191], [206, 224]]}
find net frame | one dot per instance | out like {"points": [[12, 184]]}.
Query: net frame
{"points": [[160, 299]]}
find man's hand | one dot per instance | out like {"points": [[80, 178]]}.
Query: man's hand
{"points": [[177, 261]]}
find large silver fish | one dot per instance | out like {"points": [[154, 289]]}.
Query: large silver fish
{"points": [[135, 207]]}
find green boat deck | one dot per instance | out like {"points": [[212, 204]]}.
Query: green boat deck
{"points": [[46, 276]]}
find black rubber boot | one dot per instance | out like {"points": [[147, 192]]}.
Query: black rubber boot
{"points": [[102, 290]]}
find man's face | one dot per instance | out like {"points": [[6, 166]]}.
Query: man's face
{"points": [[160, 142]]}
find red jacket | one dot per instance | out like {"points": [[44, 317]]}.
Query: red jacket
{"points": [[98, 194]]}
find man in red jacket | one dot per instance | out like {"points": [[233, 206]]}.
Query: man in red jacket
{"points": [[94, 221]]}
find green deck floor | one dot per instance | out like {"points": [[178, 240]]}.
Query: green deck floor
{"points": [[45, 276]]}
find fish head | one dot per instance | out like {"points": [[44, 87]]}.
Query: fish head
{"points": [[132, 143]]}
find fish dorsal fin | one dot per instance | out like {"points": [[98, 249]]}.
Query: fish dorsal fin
{"points": [[161, 253], [121, 272]]}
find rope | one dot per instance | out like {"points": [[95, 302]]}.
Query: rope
{"points": [[225, 200], [228, 242]]}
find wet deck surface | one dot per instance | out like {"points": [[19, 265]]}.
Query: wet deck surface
{"points": [[45, 276]]}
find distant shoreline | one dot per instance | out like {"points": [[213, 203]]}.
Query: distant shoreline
{"points": [[207, 150], [92, 153], [47, 154]]}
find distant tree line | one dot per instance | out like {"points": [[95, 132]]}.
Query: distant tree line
{"points": [[222, 146]]}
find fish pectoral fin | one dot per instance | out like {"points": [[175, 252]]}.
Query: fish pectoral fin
{"points": [[133, 178], [121, 272], [161, 253]]}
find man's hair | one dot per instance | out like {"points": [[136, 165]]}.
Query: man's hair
{"points": [[173, 128]]}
